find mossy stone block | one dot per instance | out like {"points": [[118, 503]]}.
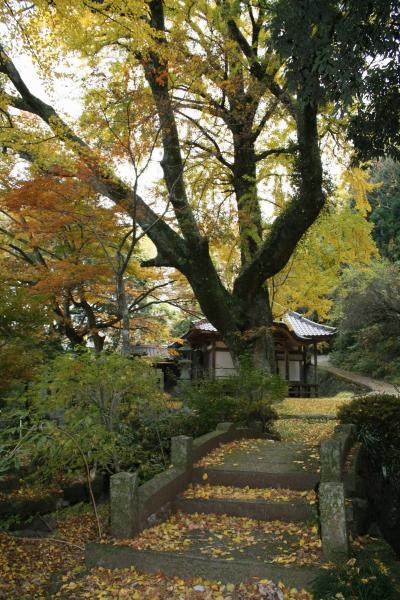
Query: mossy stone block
{"points": [[331, 460], [124, 505], [182, 451], [335, 543]]}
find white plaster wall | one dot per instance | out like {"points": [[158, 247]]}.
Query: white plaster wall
{"points": [[223, 364], [282, 369], [294, 370]]}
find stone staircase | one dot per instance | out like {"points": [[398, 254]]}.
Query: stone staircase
{"points": [[250, 475], [247, 512]]}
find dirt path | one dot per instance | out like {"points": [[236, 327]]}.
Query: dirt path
{"points": [[375, 385]]}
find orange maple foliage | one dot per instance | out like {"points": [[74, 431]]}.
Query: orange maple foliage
{"points": [[64, 241]]}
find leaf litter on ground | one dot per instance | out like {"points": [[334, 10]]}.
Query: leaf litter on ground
{"points": [[313, 406], [225, 536]]}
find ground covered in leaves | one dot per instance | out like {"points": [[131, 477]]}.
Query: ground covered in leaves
{"points": [[313, 406], [229, 537], [128, 583], [30, 492], [32, 569], [29, 568], [307, 432], [27, 565]]}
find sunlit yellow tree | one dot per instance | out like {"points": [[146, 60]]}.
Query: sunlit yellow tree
{"points": [[231, 94]]}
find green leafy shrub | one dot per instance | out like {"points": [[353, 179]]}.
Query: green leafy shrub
{"points": [[105, 408], [213, 400], [377, 418], [355, 581], [150, 437], [242, 398], [86, 406]]}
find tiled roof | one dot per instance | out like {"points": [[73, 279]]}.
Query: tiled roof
{"points": [[305, 328], [301, 326], [151, 350], [203, 325]]}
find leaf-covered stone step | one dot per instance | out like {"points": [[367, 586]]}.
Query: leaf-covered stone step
{"points": [[290, 476], [243, 447], [254, 579], [233, 538], [206, 492], [266, 504]]}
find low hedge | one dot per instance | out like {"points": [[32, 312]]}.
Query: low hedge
{"points": [[377, 417]]}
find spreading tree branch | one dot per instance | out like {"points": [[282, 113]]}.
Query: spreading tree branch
{"points": [[171, 246]]}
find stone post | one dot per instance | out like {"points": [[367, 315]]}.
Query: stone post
{"points": [[335, 544], [331, 460], [345, 433], [124, 505], [182, 451]]}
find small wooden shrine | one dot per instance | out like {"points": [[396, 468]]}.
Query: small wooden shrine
{"points": [[204, 354]]}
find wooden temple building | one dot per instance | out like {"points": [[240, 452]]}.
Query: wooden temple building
{"points": [[204, 354]]}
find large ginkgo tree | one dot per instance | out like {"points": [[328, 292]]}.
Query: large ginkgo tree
{"points": [[232, 96]]}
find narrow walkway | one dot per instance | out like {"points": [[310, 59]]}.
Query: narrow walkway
{"points": [[375, 385], [250, 512]]}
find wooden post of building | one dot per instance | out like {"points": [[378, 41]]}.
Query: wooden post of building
{"points": [[287, 372], [304, 373], [214, 358], [315, 369]]}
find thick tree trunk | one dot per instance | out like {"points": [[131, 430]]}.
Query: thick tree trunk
{"points": [[255, 323], [253, 337], [66, 326], [97, 340], [243, 316], [244, 180]]}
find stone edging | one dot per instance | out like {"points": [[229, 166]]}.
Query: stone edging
{"points": [[312, 417], [332, 508], [68, 494]]}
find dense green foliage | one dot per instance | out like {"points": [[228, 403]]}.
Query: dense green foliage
{"points": [[315, 38], [367, 303], [377, 418], [108, 411], [368, 310], [385, 205], [367, 580], [242, 398], [104, 409], [26, 339]]}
